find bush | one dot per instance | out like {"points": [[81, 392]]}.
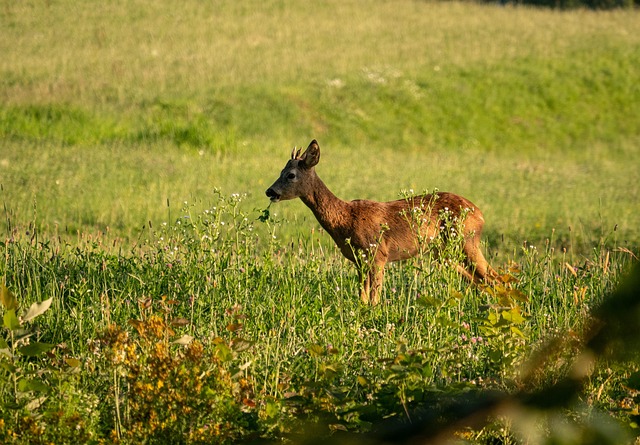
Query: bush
{"points": [[174, 390]]}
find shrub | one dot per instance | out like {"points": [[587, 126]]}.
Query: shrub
{"points": [[175, 390]]}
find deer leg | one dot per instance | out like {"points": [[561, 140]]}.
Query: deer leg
{"points": [[376, 277], [371, 282], [465, 273], [477, 268], [365, 289]]}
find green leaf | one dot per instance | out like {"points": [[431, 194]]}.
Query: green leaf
{"points": [[26, 385], [3, 344], [35, 349], [517, 331], [496, 356], [264, 217], [11, 320], [272, 409], [8, 367], [73, 362], [363, 381], [9, 301], [315, 350], [513, 316], [222, 351], [427, 301], [37, 309]]}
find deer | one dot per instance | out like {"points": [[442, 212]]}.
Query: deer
{"points": [[381, 232]]}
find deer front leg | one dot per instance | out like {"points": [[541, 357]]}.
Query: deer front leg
{"points": [[365, 286], [371, 283], [376, 277]]}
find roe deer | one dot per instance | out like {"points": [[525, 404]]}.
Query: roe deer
{"points": [[381, 230]]}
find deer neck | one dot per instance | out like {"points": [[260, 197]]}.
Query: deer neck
{"points": [[331, 212]]}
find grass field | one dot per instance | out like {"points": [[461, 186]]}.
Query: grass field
{"points": [[137, 140]]}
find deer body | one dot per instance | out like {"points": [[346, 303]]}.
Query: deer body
{"points": [[380, 231]]}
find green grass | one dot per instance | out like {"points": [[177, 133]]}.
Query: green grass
{"points": [[119, 120], [314, 351]]}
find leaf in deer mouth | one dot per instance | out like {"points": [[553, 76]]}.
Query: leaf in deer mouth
{"points": [[265, 214]]}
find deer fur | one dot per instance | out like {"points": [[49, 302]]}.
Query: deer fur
{"points": [[380, 231]]}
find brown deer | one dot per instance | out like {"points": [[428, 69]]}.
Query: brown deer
{"points": [[381, 231]]}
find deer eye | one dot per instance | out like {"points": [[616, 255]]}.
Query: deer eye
{"points": [[291, 176]]}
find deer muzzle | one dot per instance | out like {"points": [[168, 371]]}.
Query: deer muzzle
{"points": [[273, 195]]}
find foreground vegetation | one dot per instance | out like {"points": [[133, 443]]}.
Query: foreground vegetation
{"points": [[212, 330], [140, 304]]}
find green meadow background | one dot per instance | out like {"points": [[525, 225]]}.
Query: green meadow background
{"points": [[108, 110], [120, 118]]}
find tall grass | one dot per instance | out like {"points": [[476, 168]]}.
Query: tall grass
{"points": [[287, 309]]}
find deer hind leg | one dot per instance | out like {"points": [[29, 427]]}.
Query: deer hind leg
{"points": [[476, 268]]}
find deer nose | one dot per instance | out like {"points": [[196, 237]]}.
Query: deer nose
{"points": [[272, 194]]}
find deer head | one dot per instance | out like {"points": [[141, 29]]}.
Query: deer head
{"points": [[294, 178]]}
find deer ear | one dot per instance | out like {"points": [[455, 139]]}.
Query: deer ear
{"points": [[311, 155]]}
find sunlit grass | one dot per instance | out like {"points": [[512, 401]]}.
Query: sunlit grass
{"points": [[123, 52]]}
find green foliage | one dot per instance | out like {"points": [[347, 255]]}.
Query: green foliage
{"points": [[216, 314], [41, 401], [18, 381]]}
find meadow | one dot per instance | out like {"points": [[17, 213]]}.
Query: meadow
{"points": [[151, 294]]}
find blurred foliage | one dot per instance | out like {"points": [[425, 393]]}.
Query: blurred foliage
{"points": [[573, 4]]}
